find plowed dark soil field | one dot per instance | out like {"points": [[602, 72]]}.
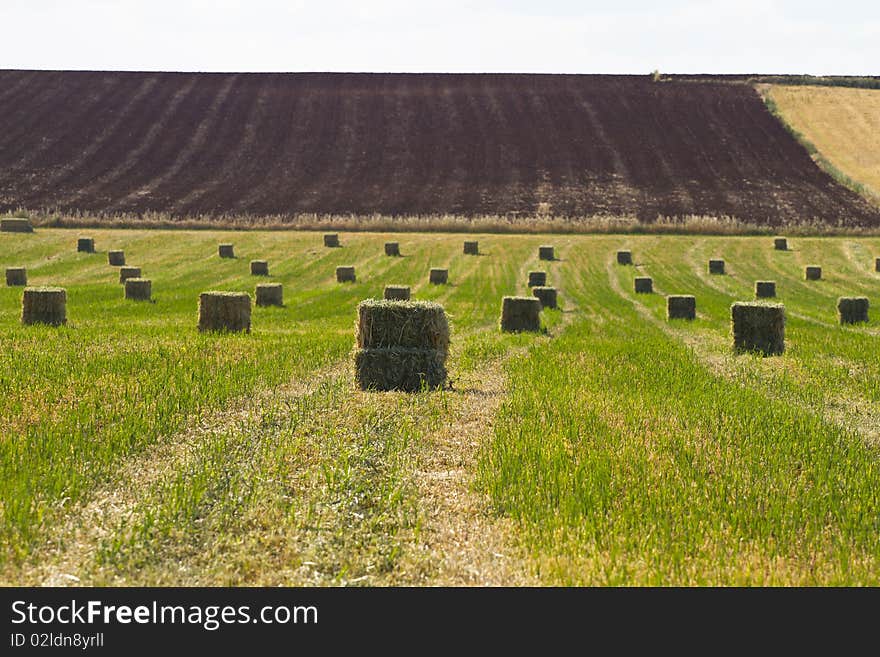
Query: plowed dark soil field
{"points": [[191, 144]]}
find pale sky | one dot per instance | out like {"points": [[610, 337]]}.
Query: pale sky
{"points": [[539, 36]]}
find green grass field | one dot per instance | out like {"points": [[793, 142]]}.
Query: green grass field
{"points": [[616, 448]]}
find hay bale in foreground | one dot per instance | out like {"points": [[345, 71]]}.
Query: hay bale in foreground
{"points": [[546, 295], [225, 311], [624, 257], [546, 253], [129, 272], [331, 240], [396, 293], [44, 305], [537, 278], [520, 314], [438, 276], [405, 324], [138, 289], [681, 306], [269, 294], [716, 267], [758, 327], [780, 244], [259, 268], [226, 251], [471, 248], [345, 275], [16, 276], [643, 285], [765, 289], [852, 310], [85, 245], [398, 368], [116, 258], [812, 273], [16, 225], [392, 248]]}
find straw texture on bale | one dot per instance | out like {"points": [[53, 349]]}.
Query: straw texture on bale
{"points": [[85, 245], [624, 257], [129, 272], [138, 289], [546, 253], [398, 368], [392, 249], [520, 314], [396, 292], [643, 284], [225, 311], [537, 278], [716, 267], [345, 275], [546, 295], [331, 240], [812, 273], [405, 324], [681, 306], [765, 289], [438, 276], [16, 276], [852, 310], [44, 305], [471, 248], [16, 225], [780, 244], [116, 258], [758, 327], [226, 251], [259, 268], [269, 294]]}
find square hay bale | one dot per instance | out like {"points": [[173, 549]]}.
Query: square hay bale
{"points": [[545, 252], [438, 276], [226, 251], [400, 368], [138, 289], [85, 245], [643, 285], [16, 276], [269, 294], [546, 295], [392, 248], [259, 268], [765, 289], [537, 278], [345, 275], [471, 248], [758, 327], [877, 264], [407, 324], [129, 272], [716, 266], [520, 314], [624, 257], [331, 240], [780, 244], [225, 311], [44, 305], [396, 293], [116, 258], [681, 306], [16, 225], [812, 273], [852, 310]]}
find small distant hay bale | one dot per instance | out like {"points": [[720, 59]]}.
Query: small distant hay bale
{"points": [[716, 266], [537, 278], [546, 295], [392, 248], [138, 289], [758, 327], [16, 276], [681, 306], [765, 289], [269, 294], [396, 293], [225, 311], [643, 284], [259, 268], [16, 225], [331, 240], [397, 368], [226, 251], [85, 245], [780, 244], [129, 272], [438, 276], [116, 258], [624, 257], [520, 314], [545, 252], [812, 273], [345, 275], [877, 264], [44, 305], [852, 310], [471, 248], [404, 324]]}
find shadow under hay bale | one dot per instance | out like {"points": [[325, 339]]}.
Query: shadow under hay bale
{"points": [[44, 305], [269, 294], [546, 253], [780, 244], [765, 289], [331, 240], [758, 327], [537, 278], [345, 275], [852, 310], [138, 289], [16, 276], [116, 258], [438, 276], [226, 251], [392, 248], [396, 368], [624, 258], [129, 272], [16, 225], [546, 295], [259, 268], [812, 273], [471, 248], [396, 293], [681, 306], [225, 311], [85, 245], [520, 314], [716, 267], [643, 285]]}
